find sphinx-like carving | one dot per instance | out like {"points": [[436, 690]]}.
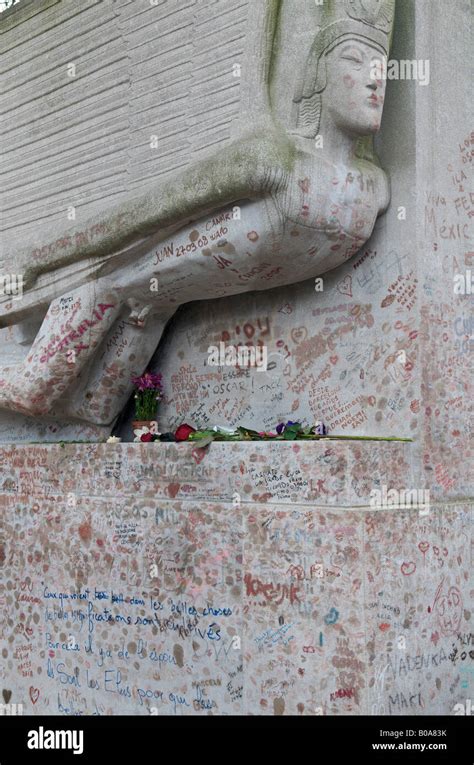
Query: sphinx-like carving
{"points": [[274, 208]]}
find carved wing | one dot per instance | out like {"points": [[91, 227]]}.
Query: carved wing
{"points": [[179, 87]]}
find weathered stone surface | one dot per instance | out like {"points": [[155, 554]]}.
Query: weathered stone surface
{"points": [[339, 608], [260, 599], [304, 194]]}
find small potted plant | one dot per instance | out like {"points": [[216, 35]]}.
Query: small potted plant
{"points": [[148, 394]]}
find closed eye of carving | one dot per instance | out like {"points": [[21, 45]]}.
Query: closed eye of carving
{"points": [[352, 53], [356, 59]]}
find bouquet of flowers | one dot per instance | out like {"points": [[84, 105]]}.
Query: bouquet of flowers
{"points": [[149, 392]]}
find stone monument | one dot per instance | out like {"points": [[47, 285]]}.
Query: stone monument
{"points": [[208, 148], [299, 192]]}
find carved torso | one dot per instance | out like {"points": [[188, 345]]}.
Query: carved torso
{"points": [[297, 232], [330, 210]]}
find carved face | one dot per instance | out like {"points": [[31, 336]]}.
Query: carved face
{"points": [[353, 96]]}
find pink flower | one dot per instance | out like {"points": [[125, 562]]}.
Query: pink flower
{"points": [[148, 381]]}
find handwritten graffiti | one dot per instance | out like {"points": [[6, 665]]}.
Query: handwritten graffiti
{"points": [[272, 593], [75, 334], [448, 608]]}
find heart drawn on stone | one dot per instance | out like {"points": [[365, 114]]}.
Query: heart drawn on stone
{"points": [[199, 454], [6, 695], [298, 334], [408, 568], [423, 547], [173, 489], [34, 694], [345, 286]]}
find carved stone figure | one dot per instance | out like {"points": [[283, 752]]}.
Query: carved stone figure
{"points": [[293, 199]]}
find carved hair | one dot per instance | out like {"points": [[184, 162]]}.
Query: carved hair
{"points": [[369, 21]]}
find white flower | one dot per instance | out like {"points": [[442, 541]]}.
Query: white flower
{"points": [[113, 440], [139, 432]]}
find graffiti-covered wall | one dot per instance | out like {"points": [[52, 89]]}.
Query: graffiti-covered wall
{"points": [[241, 579], [246, 577]]}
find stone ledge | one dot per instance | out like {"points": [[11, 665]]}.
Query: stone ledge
{"points": [[323, 473]]}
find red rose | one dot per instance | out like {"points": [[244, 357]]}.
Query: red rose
{"points": [[183, 432], [146, 437]]}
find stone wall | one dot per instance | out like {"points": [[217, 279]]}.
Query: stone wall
{"points": [[239, 579]]}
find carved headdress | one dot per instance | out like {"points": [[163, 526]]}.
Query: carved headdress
{"points": [[370, 21]]}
